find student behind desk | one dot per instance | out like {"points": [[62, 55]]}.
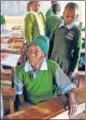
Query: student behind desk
{"points": [[67, 41], [35, 77]]}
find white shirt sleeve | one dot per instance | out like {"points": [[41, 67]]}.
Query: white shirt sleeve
{"points": [[18, 84], [63, 82]]}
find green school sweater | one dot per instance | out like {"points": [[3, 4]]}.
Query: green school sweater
{"points": [[51, 24], [67, 44], [49, 13], [42, 87], [31, 26], [2, 19]]}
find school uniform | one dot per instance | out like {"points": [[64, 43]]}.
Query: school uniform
{"points": [[2, 23], [67, 46], [2, 19], [51, 24], [49, 13], [34, 25], [38, 85]]}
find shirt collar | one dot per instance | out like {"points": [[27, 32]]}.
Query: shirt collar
{"points": [[69, 26], [28, 67]]}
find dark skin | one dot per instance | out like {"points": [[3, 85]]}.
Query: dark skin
{"points": [[36, 56], [35, 6], [70, 15]]}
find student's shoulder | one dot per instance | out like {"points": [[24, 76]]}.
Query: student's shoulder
{"points": [[29, 16], [77, 29], [20, 67], [40, 13], [52, 64]]}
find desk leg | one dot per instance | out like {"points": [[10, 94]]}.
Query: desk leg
{"points": [[11, 103]]}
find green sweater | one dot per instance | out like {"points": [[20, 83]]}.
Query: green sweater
{"points": [[49, 13], [41, 88], [51, 24], [31, 26], [66, 49], [2, 19]]}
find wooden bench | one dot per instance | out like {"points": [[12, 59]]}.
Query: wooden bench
{"points": [[48, 109], [9, 94]]}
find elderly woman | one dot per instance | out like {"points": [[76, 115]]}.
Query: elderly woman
{"points": [[35, 77]]}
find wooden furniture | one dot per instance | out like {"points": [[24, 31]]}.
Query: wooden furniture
{"points": [[9, 94], [14, 46], [81, 74], [49, 109], [6, 78], [81, 78]]}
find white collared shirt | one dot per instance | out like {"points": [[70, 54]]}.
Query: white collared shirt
{"points": [[69, 26], [28, 68]]}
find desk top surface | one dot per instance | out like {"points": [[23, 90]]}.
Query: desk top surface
{"points": [[46, 109]]}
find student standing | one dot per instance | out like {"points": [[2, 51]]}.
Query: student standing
{"points": [[51, 23], [50, 13], [67, 41], [34, 22]]}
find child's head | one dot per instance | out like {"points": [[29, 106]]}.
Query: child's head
{"points": [[56, 8], [37, 50], [70, 12], [53, 2], [35, 5], [29, 6]]}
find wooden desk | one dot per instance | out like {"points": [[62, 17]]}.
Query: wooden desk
{"points": [[46, 110], [9, 94], [81, 78], [14, 50]]}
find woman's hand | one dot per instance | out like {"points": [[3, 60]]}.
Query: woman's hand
{"points": [[72, 104]]}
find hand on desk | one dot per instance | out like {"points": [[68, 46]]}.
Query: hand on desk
{"points": [[72, 105]]}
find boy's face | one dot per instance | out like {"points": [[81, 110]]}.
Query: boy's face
{"points": [[35, 55], [36, 6], [69, 15]]}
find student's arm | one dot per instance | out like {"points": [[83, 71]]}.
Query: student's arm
{"points": [[19, 91], [63, 82], [76, 53], [28, 27], [66, 86]]}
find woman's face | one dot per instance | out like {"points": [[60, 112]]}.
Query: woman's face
{"points": [[35, 55]]}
